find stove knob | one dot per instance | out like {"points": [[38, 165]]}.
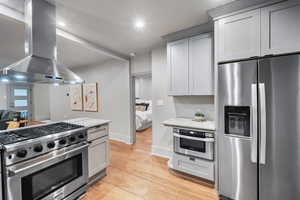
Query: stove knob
{"points": [[22, 153], [72, 139], [51, 145], [38, 148], [62, 142], [81, 136]]}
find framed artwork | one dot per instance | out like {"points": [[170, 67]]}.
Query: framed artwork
{"points": [[76, 97], [90, 97]]}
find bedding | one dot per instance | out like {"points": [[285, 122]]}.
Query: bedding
{"points": [[144, 118]]}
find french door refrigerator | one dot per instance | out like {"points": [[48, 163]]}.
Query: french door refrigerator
{"points": [[259, 129]]}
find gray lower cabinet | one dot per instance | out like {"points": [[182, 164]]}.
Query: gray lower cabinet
{"points": [[194, 166], [98, 155], [280, 28], [98, 151]]}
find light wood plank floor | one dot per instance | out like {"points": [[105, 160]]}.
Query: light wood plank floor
{"points": [[134, 174]]}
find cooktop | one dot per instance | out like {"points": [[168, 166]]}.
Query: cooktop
{"points": [[35, 132]]}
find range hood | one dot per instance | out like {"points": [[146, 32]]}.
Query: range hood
{"points": [[40, 64]]}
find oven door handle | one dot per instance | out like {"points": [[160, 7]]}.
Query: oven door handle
{"points": [[195, 138], [15, 170]]}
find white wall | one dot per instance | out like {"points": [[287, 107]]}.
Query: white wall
{"points": [[141, 63], [143, 87], [40, 101], [166, 107], [114, 97]]}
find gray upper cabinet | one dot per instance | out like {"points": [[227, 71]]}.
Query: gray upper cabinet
{"points": [[280, 24], [178, 60], [190, 66], [239, 36], [201, 65]]}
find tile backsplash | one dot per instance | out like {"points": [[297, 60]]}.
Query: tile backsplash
{"points": [[187, 106]]}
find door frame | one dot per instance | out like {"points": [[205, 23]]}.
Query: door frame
{"points": [[134, 76]]}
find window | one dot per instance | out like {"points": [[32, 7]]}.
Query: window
{"points": [[20, 100], [20, 92]]}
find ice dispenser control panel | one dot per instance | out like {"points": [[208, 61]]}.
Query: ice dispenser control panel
{"points": [[237, 120]]}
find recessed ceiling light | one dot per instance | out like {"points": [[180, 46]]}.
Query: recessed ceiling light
{"points": [[62, 24], [56, 84], [139, 24]]}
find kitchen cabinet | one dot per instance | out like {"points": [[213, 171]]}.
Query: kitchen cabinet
{"points": [[201, 65], [98, 151], [239, 36], [178, 67], [280, 26], [98, 155], [194, 166], [190, 66]]}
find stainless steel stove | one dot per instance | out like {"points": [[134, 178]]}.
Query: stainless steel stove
{"points": [[45, 162]]}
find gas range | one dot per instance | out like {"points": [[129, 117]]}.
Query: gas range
{"points": [[26, 143], [45, 162]]}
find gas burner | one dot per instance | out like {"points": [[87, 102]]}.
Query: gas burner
{"points": [[35, 132], [26, 143], [10, 137]]}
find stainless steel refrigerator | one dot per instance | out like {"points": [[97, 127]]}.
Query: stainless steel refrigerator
{"points": [[259, 129]]}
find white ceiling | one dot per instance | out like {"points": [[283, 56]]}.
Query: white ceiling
{"points": [[110, 22], [70, 54]]}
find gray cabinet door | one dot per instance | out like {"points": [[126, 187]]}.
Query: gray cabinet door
{"points": [[200, 65], [98, 156], [280, 24], [178, 61], [239, 36]]}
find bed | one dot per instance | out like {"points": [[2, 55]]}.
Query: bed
{"points": [[143, 116]]}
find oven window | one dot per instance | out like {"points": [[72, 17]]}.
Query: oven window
{"points": [[193, 145], [44, 182]]}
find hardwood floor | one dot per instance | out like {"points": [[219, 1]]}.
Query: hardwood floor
{"points": [[134, 174]]}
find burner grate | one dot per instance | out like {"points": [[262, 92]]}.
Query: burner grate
{"points": [[35, 132]]}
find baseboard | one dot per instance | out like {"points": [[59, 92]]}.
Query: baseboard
{"points": [[120, 137], [161, 151]]}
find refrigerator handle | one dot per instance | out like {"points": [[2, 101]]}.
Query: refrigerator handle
{"points": [[263, 124], [254, 123]]}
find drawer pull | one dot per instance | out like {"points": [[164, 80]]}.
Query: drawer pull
{"points": [[192, 159]]}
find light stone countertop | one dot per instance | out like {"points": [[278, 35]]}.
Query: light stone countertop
{"points": [[189, 123], [88, 122]]}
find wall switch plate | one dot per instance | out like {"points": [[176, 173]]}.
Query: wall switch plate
{"points": [[160, 102]]}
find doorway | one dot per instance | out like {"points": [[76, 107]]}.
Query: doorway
{"points": [[143, 110], [20, 99]]}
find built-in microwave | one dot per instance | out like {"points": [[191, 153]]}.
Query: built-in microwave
{"points": [[194, 143]]}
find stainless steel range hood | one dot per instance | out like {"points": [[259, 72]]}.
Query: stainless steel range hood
{"points": [[40, 64]]}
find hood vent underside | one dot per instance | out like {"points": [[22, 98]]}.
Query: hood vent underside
{"points": [[40, 64]]}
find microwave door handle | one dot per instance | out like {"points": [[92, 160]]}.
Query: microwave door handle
{"points": [[263, 124], [254, 123], [195, 138]]}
